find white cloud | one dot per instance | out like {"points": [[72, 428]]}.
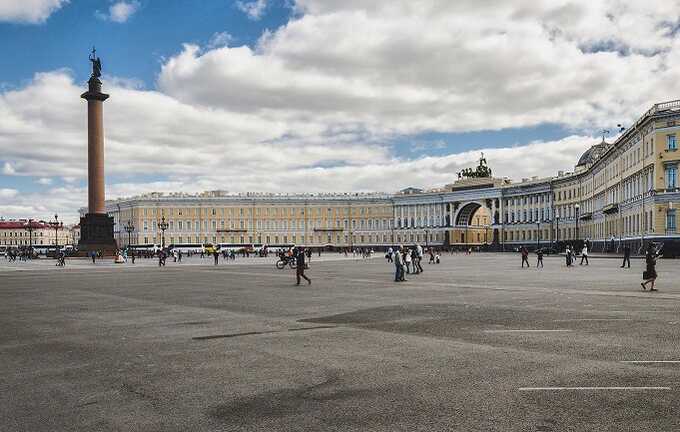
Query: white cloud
{"points": [[8, 193], [220, 39], [119, 12], [479, 65], [8, 169], [253, 9], [45, 181], [29, 11]]}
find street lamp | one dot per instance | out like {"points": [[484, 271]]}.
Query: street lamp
{"points": [[129, 228], [28, 226], [162, 225], [577, 207], [56, 225]]}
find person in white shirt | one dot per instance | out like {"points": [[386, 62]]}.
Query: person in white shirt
{"points": [[584, 254]]}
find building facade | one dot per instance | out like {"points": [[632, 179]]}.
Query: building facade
{"points": [[624, 192], [22, 232]]}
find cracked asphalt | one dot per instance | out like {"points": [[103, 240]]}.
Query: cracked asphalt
{"points": [[473, 344]]}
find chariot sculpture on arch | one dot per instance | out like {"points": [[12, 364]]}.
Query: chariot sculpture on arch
{"points": [[96, 64]]}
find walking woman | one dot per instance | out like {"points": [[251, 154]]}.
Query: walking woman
{"points": [[649, 276]]}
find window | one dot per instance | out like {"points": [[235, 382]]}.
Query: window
{"points": [[670, 221], [671, 144], [671, 176]]}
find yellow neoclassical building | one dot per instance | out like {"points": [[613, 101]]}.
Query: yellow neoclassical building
{"points": [[621, 192]]}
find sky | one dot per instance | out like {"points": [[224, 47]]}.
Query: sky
{"points": [[318, 95]]}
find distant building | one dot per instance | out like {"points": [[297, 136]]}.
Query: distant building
{"points": [[21, 232], [624, 192]]}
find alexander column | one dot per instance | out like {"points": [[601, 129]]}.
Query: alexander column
{"points": [[96, 228]]}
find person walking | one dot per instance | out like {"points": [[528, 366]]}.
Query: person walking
{"points": [[567, 254], [626, 256], [93, 255], [300, 269], [407, 260], [132, 255], [398, 266], [539, 260], [649, 275], [179, 256], [525, 256], [584, 254], [388, 255], [419, 257]]}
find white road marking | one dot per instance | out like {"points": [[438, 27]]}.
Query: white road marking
{"points": [[650, 361], [590, 388], [594, 319], [526, 330]]}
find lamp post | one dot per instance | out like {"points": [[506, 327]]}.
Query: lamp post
{"points": [[56, 225], [129, 228], [162, 225], [28, 226], [577, 207]]}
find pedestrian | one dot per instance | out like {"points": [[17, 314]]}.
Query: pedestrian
{"points": [[584, 254], [398, 266], [525, 256], [431, 256], [626, 256], [388, 255], [179, 256], [132, 255], [649, 275], [161, 258], [300, 269], [419, 256], [407, 260], [567, 254], [216, 256], [93, 255], [539, 261]]}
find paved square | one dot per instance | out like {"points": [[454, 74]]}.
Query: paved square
{"points": [[473, 344]]}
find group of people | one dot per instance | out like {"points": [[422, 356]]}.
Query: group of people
{"points": [[406, 261], [649, 276]]}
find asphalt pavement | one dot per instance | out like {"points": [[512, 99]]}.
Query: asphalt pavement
{"points": [[475, 343]]}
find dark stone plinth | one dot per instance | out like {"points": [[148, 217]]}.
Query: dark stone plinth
{"points": [[96, 233]]}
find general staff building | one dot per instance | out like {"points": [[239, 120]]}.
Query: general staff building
{"points": [[624, 192]]}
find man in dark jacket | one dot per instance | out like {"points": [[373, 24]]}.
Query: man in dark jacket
{"points": [[626, 256], [300, 258]]}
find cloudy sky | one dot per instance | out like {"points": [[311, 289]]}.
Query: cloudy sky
{"points": [[318, 95]]}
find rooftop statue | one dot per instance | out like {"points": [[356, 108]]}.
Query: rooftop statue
{"points": [[96, 64], [482, 170]]}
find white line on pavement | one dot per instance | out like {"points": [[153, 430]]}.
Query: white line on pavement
{"points": [[526, 330], [590, 388], [650, 361], [593, 319]]}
